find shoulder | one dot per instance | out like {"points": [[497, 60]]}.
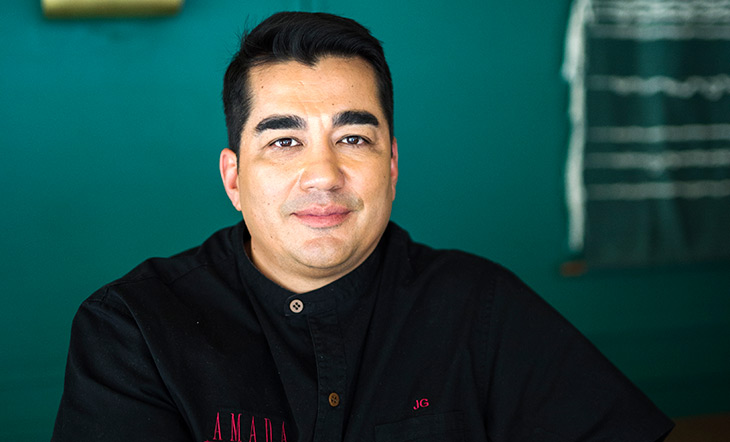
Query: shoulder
{"points": [[159, 280], [455, 268], [454, 284]]}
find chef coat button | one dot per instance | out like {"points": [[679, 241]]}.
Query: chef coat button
{"points": [[296, 306], [334, 399]]}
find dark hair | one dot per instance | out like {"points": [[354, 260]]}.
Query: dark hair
{"points": [[304, 37]]}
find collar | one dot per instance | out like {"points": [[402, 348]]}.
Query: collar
{"points": [[342, 294]]}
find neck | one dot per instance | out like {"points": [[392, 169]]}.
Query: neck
{"points": [[292, 281]]}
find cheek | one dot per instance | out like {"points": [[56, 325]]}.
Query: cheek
{"points": [[379, 182], [265, 188]]}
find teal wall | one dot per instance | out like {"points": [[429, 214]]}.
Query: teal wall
{"points": [[111, 129]]}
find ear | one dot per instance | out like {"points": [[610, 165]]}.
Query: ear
{"points": [[393, 165], [229, 174]]}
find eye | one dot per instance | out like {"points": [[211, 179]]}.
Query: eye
{"points": [[285, 143], [355, 140]]}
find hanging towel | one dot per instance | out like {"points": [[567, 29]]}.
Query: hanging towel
{"points": [[648, 168]]}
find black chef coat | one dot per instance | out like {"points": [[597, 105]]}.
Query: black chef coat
{"points": [[415, 344]]}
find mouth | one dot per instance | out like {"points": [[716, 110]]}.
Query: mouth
{"points": [[322, 217]]}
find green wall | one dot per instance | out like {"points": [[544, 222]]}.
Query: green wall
{"points": [[110, 137]]}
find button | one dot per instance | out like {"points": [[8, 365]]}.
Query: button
{"points": [[334, 399], [296, 306]]}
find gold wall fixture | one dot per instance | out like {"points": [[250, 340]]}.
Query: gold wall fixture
{"points": [[109, 8]]}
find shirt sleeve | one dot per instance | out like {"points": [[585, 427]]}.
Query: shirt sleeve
{"points": [[112, 390], [550, 383]]}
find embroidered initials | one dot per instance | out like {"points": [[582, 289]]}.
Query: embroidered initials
{"points": [[421, 403]]}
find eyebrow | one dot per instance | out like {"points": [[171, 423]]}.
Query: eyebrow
{"points": [[347, 118], [280, 122], [351, 117]]}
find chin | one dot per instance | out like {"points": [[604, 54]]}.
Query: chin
{"points": [[323, 256]]}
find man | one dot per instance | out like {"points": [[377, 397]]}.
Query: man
{"points": [[316, 318]]}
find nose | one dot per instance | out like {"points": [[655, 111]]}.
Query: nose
{"points": [[322, 169]]}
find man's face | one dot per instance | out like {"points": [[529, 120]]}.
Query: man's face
{"points": [[316, 178]]}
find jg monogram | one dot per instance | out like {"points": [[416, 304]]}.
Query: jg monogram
{"points": [[421, 403]]}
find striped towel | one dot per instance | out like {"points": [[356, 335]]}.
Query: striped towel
{"points": [[648, 169]]}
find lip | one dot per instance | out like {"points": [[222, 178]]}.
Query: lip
{"points": [[321, 217]]}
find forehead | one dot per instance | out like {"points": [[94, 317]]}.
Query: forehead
{"points": [[331, 85]]}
